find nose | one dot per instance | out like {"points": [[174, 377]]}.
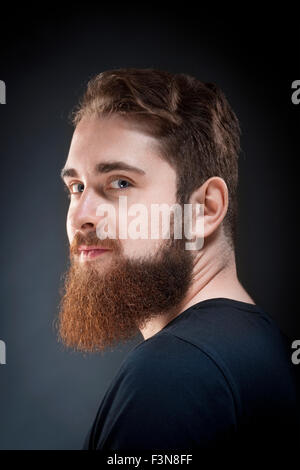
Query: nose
{"points": [[82, 214]]}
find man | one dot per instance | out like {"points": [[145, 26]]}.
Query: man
{"points": [[212, 370]]}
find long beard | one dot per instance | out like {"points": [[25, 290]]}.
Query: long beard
{"points": [[100, 309]]}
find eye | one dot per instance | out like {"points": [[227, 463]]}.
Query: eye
{"points": [[76, 188], [79, 186], [120, 183]]}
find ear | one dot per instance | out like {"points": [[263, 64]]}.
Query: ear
{"points": [[213, 195]]}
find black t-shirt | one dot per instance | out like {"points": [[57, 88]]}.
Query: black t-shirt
{"points": [[219, 374]]}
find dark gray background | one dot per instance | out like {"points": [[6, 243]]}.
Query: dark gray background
{"points": [[49, 396]]}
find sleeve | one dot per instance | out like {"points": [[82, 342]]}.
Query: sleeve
{"points": [[169, 396]]}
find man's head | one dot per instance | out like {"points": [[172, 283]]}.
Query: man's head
{"points": [[156, 138]]}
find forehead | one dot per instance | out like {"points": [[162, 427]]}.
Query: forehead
{"points": [[96, 140]]}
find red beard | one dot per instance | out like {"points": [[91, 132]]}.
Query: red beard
{"points": [[99, 309]]}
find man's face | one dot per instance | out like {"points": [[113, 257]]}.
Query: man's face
{"points": [[112, 141], [116, 288]]}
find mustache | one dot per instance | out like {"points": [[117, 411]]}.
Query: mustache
{"points": [[91, 239]]}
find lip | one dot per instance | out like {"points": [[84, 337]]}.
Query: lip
{"points": [[89, 251], [92, 247]]}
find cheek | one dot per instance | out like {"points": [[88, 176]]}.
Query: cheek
{"points": [[106, 225], [139, 248], [70, 230]]}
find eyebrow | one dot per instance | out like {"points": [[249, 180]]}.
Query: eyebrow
{"points": [[103, 168]]}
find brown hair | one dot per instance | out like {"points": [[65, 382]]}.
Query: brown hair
{"points": [[197, 131]]}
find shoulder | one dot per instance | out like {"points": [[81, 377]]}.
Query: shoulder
{"points": [[168, 394], [166, 363], [235, 335], [167, 351]]}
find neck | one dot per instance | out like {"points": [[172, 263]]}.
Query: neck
{"points": [[214, 275]]}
